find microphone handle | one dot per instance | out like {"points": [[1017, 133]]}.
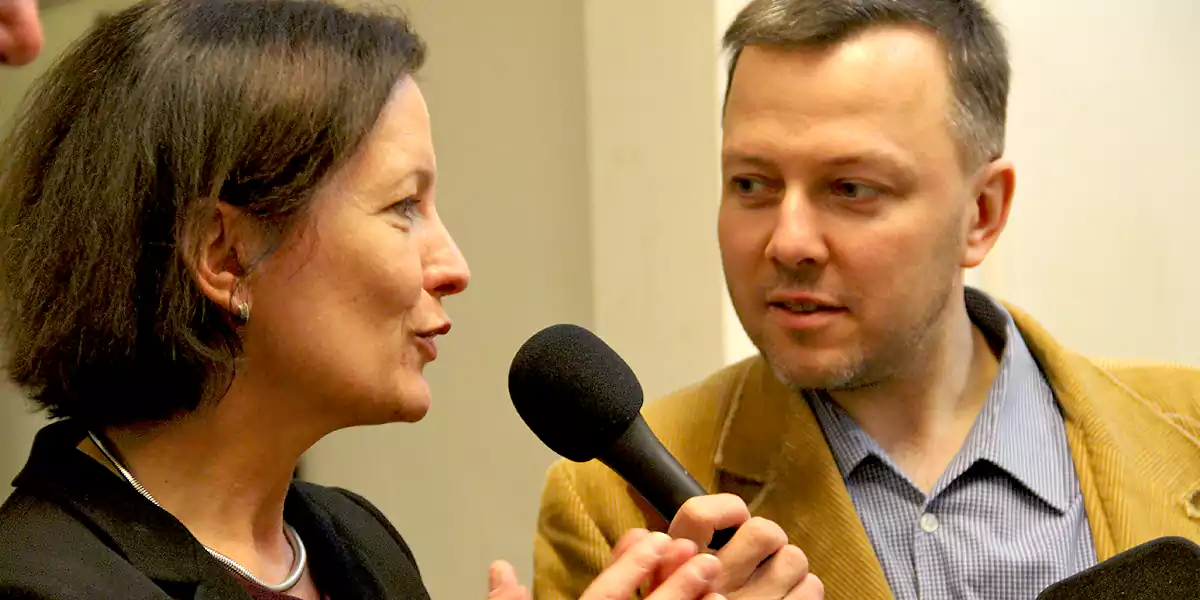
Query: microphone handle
{"points": [[642, 461]]}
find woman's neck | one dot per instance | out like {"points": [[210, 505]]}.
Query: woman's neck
{"points": [[224, 472]]}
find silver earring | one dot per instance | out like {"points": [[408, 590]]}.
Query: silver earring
{"points": [[243, 312]]}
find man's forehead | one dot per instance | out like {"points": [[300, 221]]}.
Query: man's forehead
{"points": [[882, 97], [885, 66]]}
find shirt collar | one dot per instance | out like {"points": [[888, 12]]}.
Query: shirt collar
{"points": [[1021, 426], [848, 442], [1020, 429]]}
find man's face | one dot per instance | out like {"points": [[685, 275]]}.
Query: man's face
{"points": [[846, 216], [20, 32]]}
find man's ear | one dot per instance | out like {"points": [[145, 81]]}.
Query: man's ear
{"points": [[988, 214], [219, 254]]}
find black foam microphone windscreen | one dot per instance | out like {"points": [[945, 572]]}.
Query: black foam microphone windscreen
{"points": [[584, 402], [575, 393], [1166, 568]]}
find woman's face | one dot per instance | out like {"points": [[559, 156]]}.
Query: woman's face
{"points": [[344, 314]]}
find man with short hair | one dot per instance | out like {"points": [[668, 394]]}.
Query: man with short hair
{"points": [[917, 438]]}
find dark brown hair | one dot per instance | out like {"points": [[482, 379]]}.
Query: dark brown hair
{"points": [[121, 151], [975, 51]]}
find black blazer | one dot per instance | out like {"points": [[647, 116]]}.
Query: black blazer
{"points": [[74, 530]]}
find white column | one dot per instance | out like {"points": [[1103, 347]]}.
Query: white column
{"points": [[735, 344], [653, 139]]}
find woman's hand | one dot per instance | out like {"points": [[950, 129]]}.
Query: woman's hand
{"points": [[640, 555], [758, 562]]}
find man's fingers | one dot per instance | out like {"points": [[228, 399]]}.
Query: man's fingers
{"points": [[701, 516], [695, 579], [623, 577], [755, 542]]}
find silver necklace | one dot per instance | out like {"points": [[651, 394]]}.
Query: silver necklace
{"points": [[299, 555]]}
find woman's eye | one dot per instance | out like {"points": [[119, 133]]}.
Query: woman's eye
{"points": [[407, 208]]}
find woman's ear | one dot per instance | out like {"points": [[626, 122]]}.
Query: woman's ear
{"points": [[220, 255]]}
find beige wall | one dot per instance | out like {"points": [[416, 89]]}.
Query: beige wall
{"points": [[1102, 244], [652, 132]]}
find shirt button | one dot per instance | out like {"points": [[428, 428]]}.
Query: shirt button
{"points": [[929, 523]]}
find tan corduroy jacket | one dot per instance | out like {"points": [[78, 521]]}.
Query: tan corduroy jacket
{"points": [[1133, 431]]}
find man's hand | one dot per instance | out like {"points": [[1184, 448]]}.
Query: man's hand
{"points": [[758, 562], [637, 557]]}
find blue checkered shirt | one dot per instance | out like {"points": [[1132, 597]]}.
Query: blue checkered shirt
{"points": [[1005, 520]]}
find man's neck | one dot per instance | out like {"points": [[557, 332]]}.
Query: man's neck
{"points": [[921, 416], [224, 472]]}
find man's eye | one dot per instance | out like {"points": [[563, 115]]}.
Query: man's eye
{"points": [[747, 186], [855, 190]]}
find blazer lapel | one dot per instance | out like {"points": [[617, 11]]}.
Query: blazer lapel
{"points": [[153, 542], [1137, 470], [786, 472]]}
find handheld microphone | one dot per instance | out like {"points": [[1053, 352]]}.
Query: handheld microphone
{"points": [[584, 402], [1166, 568]]}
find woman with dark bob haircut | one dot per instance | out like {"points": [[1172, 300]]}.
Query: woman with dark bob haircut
{"points": [[220, 245]]}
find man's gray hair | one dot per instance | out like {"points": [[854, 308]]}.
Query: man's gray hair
{"points": [[975, 51]]}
